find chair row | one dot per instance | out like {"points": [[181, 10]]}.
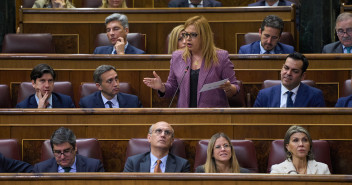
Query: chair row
{"points": [[244, 149], [43, 42]]}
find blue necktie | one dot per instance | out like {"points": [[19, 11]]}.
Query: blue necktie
{"points": [[289, 102], [266, 52], [349, 49], [109, 103]]}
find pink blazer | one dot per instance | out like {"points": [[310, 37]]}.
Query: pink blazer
{"points": [[212, 98]]}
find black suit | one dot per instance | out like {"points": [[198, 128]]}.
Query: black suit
{"points": [[94, 100], [108, 50], [184, 3], [141, 163], [83, 164], [58, 100], [8, 165]]}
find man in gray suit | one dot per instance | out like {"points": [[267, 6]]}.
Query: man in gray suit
{"points": [[158, 160], [344, 32]]}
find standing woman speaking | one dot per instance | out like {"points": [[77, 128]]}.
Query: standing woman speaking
{"points": [[207, 64]]}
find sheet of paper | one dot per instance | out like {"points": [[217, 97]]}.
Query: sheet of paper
{"points": [[214, 85]]}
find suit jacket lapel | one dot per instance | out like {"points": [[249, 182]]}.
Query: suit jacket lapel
{"points": [[203, 73], [55, 101], [33, 102], [170, 164], [276, 96], [80, 164], [99, 103], [256, 48], [122, 102], [278, 49], [54, 166], [339, 49], [312, 167], [144, 166], [301, 96]]}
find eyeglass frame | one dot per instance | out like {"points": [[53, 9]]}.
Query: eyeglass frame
{"points": [[66, 152], [341, 32], [166, 132], [192, 35]]}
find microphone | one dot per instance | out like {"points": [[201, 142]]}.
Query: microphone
{"points": [[186, 69]]}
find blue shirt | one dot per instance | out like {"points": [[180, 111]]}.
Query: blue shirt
{"points": [[115, 103], [73, 168], [153, 163], [50, 101]]}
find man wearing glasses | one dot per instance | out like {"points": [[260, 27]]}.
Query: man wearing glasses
{"points": [[344, 33], [158, 160], [270, 33], [63, 144]]}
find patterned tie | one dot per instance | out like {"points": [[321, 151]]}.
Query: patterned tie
{"points": [[157, 168], [109, 103], [349, 49], [289, 102], [67, 169]]}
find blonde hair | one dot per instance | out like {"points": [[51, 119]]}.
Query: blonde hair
{"points": [[45, 3], [210, 164], [207, 41], [173, 39], [105, 4]]}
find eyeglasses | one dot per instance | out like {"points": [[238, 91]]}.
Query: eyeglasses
{"points": [[192, 35], [225, 146], [341, 32], [66, 152], [160, 131]]}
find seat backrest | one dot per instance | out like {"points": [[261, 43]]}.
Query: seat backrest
{"points": [[26, 89], [270, 83], [28, 43], [5, 98], [141, 145], [286, 38], [89, 88], [88, 147], [238, 100], [347, 88], [320, 149], [28, 3], [9, 148], [91, 3], [244, 149], [137, 40]]}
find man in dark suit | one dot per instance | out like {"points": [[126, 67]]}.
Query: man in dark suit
{"points": [[271, 3], [63, 144], [42, 77], [291, 92], [194, 3], [8, 165], [108, 96], [270, 33], [344, 102], [343, 29], [158, 160], [117, 30]]}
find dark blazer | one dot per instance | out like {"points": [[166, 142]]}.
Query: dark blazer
{"points": [[306, 97], [108, 50], [335, 47], [344, 102], [254, 48], [8, 165], [184, 3], [262, 3], [200, 169], [83, 164], [141, 163], [94, 100], [59, 101]]}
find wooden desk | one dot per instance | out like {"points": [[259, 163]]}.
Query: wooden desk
{"points": [[114, 127], [75, 30], [171, 179], [329, 71]]}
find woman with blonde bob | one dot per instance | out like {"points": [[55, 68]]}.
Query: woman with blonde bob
{"points": [[198, 64], [299, 157], [176, 40], [52, 4], [221, 157], [113, 4]]}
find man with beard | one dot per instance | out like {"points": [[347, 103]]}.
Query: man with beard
{"points": [[344, 33], [270, 33], [66, 159], [108, 96], [158, 160], [291, 92]]}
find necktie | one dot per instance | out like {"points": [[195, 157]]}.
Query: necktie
{"points": [[195, 5], [109, 103], [67, 169], [266, 52], [349, 49], [289, 102], [157, 168]]}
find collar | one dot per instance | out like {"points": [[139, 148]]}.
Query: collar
{"points": [[275, 4], [199, 5], [113, 50], [115, 103], [284, 89], [73, 167], [262, 50], [153, 160], [50, 100]]}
